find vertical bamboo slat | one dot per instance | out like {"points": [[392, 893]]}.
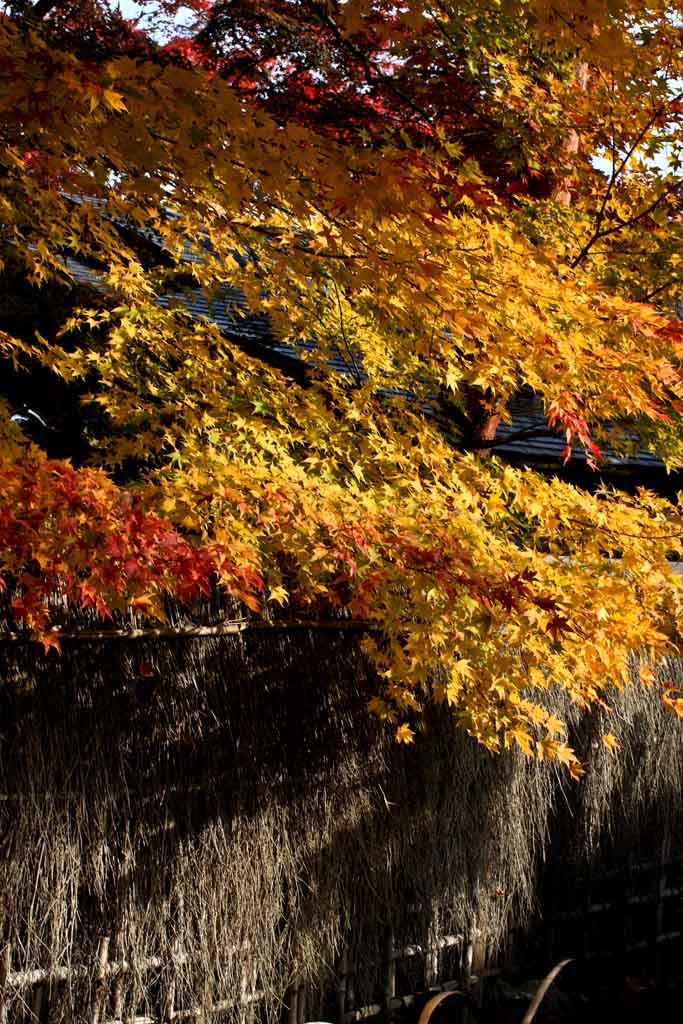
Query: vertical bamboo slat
{"points": [[342, 983], [466, 964], [350, 982], [168, 1007], [301, 1005], [293, 1004], [390, 970], [586, 924], [248, 978], [37, 1003], [100, 978], [117, 986], [432, 952], [478, 966], [5, 963], [466, 970], [628, 892], [661, 904]]}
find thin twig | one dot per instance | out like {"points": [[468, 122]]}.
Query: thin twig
{"points": [[598, 232], [354, 366]]}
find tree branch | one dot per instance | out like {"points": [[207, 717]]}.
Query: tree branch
{"points": [[40, 10], [373, 74], [519, 435], [662, 287], [598, 231]]}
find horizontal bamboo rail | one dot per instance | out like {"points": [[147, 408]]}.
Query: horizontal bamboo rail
{"points": [[114, 968], [105, 971], [229, 627], [40, 976], [226, 628], [132, 1020]]}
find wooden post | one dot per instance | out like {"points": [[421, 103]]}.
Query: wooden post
{"points": [[100, 979], [5, 963]]}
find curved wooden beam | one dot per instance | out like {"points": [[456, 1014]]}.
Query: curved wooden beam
{"points": [[542, 989], [435, 1001]]}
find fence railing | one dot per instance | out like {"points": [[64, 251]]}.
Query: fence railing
{"points": [[106, 992], [636, 910]]}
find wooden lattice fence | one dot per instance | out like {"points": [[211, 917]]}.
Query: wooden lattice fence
{"points": [[631, 915], [39, 987]]}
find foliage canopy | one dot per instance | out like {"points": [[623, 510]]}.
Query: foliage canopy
{"points": [[459, 202]]}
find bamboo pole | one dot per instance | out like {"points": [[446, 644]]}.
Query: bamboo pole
{"points": [[222, 1007], [301, 1005], [390, 970], [168, 1005], [227, 628], [132, 1020], [5, 964], [117, 998], [350, 982], [661, 904], [432, 951], [117, 986], [293, 1004], [37, 1003], [342, 983], [248, 978], [23, 979], [445, 942], [101, 974]]}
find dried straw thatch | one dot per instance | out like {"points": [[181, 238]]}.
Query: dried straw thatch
{"points": [[227, 804]]}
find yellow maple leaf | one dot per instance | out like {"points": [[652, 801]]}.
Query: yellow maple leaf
{"points": [[404, 734], [610, 741]]}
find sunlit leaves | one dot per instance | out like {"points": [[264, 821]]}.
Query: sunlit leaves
{"points": [[74, 535], [417, 245]]}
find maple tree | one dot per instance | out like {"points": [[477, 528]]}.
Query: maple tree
{"points": [[455, 203]]}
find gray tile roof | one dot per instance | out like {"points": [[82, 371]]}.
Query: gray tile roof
{"points": [[230, 314], [255, 334], [527, 415]]}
